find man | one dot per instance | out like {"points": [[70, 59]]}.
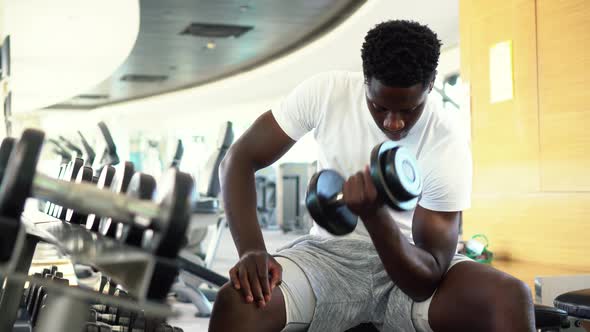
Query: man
{"points": [[398, 271]]}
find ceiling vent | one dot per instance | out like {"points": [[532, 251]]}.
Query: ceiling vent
{"points": [[141, 78], [215, 30], [92, 97]]}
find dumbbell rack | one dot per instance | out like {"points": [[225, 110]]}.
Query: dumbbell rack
{"points": [[133, 269]]}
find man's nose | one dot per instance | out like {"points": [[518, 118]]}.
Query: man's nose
{"points": [[393, 122]]}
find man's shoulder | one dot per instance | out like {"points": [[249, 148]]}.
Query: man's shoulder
{"points": [[446, 137], [446, 124]]}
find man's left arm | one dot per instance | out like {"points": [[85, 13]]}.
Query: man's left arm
{"points": [[418, 268]]}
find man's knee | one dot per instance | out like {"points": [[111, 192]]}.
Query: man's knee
{"points": [[513, 297], [229, 301], [231, 312], [512, 290]]}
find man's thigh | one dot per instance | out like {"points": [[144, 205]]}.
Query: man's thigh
{"points": [[477, 297], [327, 283], [298, 294]]}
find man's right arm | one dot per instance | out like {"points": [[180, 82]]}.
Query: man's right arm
{"points": [[260, 146]]}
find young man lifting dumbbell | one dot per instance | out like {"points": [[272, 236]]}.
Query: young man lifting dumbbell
{"points": [[397, 270]]}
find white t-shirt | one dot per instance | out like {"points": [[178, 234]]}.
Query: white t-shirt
{"points": [[333, 104]]}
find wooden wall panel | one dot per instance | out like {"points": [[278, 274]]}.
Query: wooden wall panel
{"points": [[564, 102], [551, 228], [505, 135], [532, 153], [528, 271]]}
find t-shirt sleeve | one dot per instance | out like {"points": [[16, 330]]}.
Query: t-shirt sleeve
{"points": [[448, 178], [300, 111]]}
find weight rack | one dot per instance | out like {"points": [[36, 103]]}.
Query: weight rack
{"points": [[135, 270]]}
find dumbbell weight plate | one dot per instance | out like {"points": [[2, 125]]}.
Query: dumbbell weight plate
{"points": [[323, 187], [19, 173], [401, 174], [164, 328], [173, 192], [65, 169], [104, 181], [84, 175], [390, 170], [123, 174], [141, 186], [70, 175], [49, 206], [6, 147]]}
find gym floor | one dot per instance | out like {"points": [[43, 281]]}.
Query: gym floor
{"points": [[227, 256]]}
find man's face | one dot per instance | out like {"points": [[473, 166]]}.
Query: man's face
{"points": [[395, 110]]}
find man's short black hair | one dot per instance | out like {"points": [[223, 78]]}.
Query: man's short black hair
{"points": [[400, 53]]}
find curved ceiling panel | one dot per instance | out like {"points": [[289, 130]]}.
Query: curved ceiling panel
{"points": [[61, 48], [186, 43], [246, 95]]}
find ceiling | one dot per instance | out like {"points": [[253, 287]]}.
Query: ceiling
{"points": [[244, 96], [60, 47], [164, 59]]}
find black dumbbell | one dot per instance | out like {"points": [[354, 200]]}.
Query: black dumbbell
{"points": [[141, 322], [84, 175], [97, 327], [34, 288], [70, 175], [120, 183], [42, 298], [394, 172], [103, 181], [164, 328], [8, 143], [168, 216], [141, 186]]}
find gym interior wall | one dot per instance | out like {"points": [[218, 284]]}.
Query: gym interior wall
{"points": [[531, 191]]}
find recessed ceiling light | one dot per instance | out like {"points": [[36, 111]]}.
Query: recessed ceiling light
{"points": [[211, 45]]}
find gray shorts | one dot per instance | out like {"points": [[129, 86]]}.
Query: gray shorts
{"points": [[336, 284]]}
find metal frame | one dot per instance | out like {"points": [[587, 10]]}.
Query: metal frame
{"points": [[130, 267]]}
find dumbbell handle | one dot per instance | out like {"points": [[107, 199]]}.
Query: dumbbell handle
{"points": [[88, 199]]}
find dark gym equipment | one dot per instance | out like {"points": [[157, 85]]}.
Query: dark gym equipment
{"points": [[70, 175], [177, 154], [49, 206], [85, 174], [206, 208], [71, 146], [90, 154], [5, 64], [395, 174], [169, 217], [109, 156], [104, 181], [60, 150], [108, 226], [141, 186]]}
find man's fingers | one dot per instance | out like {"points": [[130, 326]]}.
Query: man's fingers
{"points": [[370, 189], [245, 283], [256, 288], [233, 277], [262, 269]]}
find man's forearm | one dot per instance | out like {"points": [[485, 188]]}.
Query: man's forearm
{"points": [[238, 192], [414, 270]]}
